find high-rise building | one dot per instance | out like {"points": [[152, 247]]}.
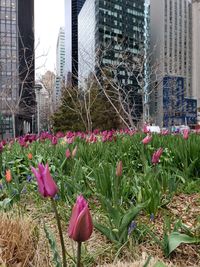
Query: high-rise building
{"points": [[111, 30], [196, 51], [16, 65], [72, 9], [60, 64], [171, 48]]}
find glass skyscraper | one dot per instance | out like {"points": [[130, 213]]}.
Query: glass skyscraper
{"points": [[16, 62], [60, 64], [72, 9], [119, 25]]}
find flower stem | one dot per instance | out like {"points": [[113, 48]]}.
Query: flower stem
{"points": [[60, 232], [79, 255]]}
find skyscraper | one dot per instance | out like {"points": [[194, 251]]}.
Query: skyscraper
{"points": [[60, 64], [171, 48], [196, 50], [72, 9], [16, 64], [112, 30]]}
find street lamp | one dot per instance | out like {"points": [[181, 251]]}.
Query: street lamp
{"points": [[37, 88]]}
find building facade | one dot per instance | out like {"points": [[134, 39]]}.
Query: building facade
{"points": [[108, 32], [72, 9], [171, 46], [16, 65], [196, 51], [60, 64]]}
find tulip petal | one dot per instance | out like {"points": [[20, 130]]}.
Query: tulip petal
{"points": [[39, 180], [50, 186], [72, 222], [83, 227]]}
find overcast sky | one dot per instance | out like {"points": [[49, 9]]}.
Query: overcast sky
{"points": [[49, 17]]}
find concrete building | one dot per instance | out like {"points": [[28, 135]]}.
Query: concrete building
{"points": [[16, 65], [60, 65], [106, 30], [171, 46], [72, 9], [196, 51]]}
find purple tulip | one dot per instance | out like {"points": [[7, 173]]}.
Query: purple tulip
{"points": [[80, 225], [46, 185]]}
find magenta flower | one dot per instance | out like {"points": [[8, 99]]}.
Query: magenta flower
{"points": [[54, 140], [147, 139], [185, 134], [1, 148], [46, 185], [80, 225], [156, 156]]}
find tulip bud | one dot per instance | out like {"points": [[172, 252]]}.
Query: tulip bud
{"points": [[30, 156], [147, 139], [1, 148], [46, 185], [119, 169], [156, 156], [185, 134], [8, 176], [74, 152], [68, 153], [54, 141], [80, 225], [145, 129]]}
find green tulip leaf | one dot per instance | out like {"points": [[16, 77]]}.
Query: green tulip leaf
{"points": [[176, 238], [130, 215], [105, 231], [159, 264], [52, 243]]}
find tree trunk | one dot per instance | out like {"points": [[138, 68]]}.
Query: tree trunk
{"points": [[13, 125]]}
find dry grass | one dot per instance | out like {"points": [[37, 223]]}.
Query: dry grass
{"points": [[18, 241]]}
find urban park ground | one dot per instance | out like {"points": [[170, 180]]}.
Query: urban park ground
{"points": [[142, 190]]}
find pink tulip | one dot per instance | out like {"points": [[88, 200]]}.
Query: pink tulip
{"points": [[68, 153], [46, 185], [54, 140], [70, 140], [80, 225], [1, 148], [119, 169], [74, 152], [156, 156], [165, 132], [145, 130], [147, 139], [185, 134]]}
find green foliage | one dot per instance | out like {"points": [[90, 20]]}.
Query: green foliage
{"points": [[52, 243], [175, 237], [68, 115], [86, 109], [119, 220]]}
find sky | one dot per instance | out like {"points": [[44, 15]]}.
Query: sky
{"points": [[49, 17]]}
